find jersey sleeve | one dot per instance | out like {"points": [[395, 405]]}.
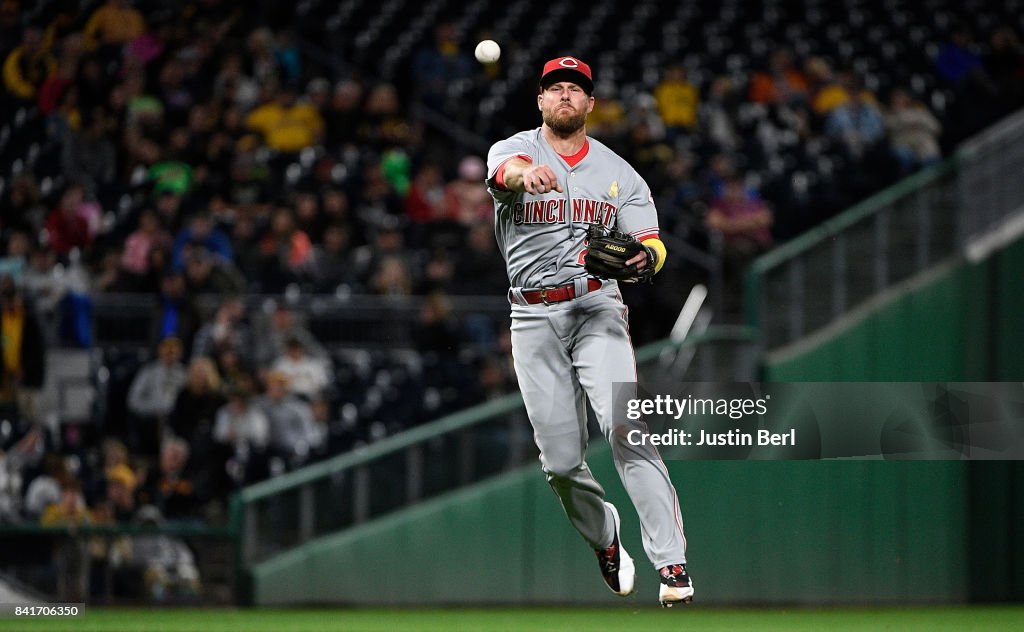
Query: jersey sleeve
{"points": [[637, 214], [501, 152]]}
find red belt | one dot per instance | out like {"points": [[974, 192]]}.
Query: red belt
{"points": [[558, 294]]}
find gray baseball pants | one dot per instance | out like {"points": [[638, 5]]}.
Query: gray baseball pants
{"points": [[564, 354]]}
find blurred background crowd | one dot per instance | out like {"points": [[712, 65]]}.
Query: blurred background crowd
{"points": [[220, 163]]}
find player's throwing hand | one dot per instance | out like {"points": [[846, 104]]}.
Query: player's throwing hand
{"points": [[540, 179]]}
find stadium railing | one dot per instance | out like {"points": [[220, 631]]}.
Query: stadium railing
{"points": [[468, 446], [929, 217], [73, 562]]}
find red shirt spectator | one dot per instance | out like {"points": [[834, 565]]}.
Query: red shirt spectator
{"points": [[65, 227], [744, 222]]}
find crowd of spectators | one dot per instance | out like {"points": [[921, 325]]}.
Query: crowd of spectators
{"points": [[172, 151], [179, 152]]}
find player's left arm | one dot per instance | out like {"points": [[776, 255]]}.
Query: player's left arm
{"points": [[638, 216]]}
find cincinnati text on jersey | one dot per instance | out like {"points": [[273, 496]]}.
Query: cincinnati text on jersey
{"points": [[553, 211]]}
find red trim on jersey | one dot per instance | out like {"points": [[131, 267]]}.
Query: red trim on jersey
{"points": [[575, 159], [647, 236], [499, 176]]}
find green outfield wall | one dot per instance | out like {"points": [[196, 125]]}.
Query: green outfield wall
{"points": [[786, 532], [958, 322], [759, 532]]}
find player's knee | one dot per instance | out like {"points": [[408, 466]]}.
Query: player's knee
{"points": [[561, 476]]}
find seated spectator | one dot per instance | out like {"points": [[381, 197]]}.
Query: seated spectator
{"points": [[195, 408], [171, 487], [307, 376], [176, 314], [466, 199], [607, 121], [45, 490], [69, 557], [782, 83], [383, 125], [46, 281], [20, 205], [274, 332], [205, 273], [232, 85], [70, 510], [332, 266], [119, 505], [388, 242], [958, 58], [114, 23], [113, 452], [22, 351], [226, 330], [243, 430], [717, 114], [203, 233], [262, 66], [234, 369], [856, 124], [343, 114], [286, 124], [89, 156], [308, 216], [744, 225], [425, 201], [294, 433], [172, 174], [152, 396], [15, 256], [66, 226], [28, 65], [135, 259], [826, 92], [286, 252], [678, 101], [165, 564], [392, 278], [437, 66], [913, 132]]}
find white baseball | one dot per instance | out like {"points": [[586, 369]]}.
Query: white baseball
{"points": [[487, 51]]}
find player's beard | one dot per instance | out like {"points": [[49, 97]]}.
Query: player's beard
{"points": [[564, 124]]}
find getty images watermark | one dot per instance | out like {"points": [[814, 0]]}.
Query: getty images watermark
{"points": [[667, 406], [819, 420]]}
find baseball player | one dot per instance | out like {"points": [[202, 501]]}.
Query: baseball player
{"points": [[556, 194]]}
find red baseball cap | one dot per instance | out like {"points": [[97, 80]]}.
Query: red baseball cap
{"points": [[567, 69]]}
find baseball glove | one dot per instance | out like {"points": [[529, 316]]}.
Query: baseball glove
{"points": [[608, 252]]}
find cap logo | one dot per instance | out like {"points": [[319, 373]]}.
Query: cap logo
{"points": [[568, 62]]}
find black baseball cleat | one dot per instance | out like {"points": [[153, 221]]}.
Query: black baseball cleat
{"points": [[616, 565], [676, 585]]}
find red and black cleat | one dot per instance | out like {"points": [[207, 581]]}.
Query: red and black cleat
{"points": [[676, 585]]}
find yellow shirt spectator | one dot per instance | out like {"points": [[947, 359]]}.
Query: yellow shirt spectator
{"points": [[28, 66], [677, 99], [70, 510], [116, 22], [286, 125]]}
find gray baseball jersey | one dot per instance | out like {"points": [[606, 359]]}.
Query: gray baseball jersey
{"points": [[570, 352], [542, 236]]}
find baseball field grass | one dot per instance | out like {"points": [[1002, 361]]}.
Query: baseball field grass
{"points": [[504, 619]]}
